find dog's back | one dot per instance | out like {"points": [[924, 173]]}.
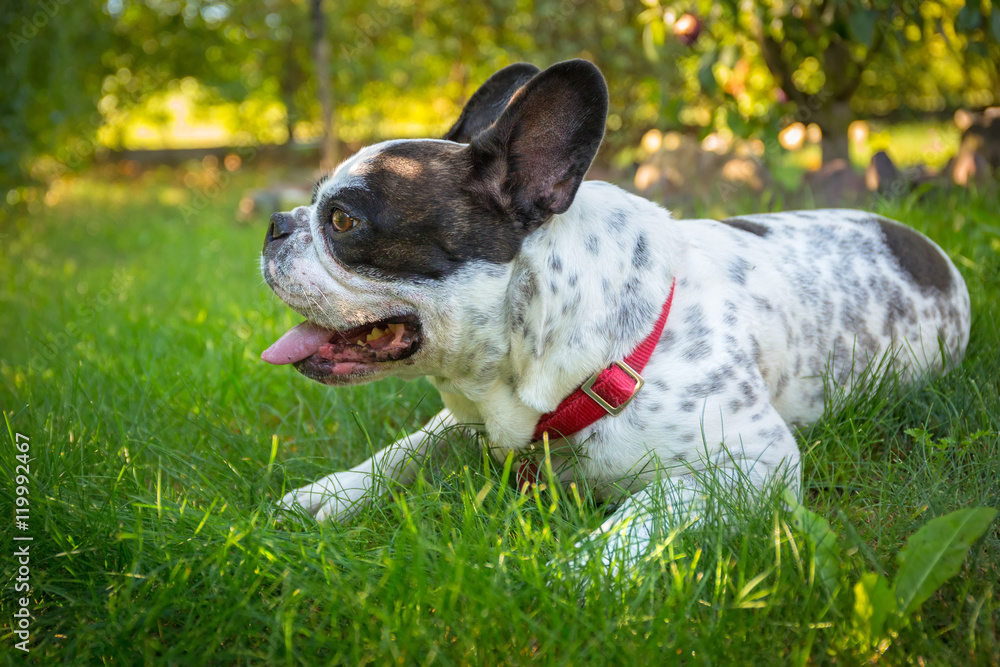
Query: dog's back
{"points": [[829, 292]]}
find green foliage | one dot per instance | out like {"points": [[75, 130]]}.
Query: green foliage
{"points": [[935, 553], [831, 60], [52, 68], [874, 603], [823, 542], [931, 556], [399, 67], [403, 68]]}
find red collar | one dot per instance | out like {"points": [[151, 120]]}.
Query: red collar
{"points": [[608, 391]]}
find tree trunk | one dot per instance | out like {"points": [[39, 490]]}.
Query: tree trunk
{"points": [[289, 119], [834, 119], [321, 60], [289, 83]]}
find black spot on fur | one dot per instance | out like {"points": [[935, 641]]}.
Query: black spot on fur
{"points": [[617, 220], [698, 350], [479, 319], [593, 245], [525, 289], [916, 255], [738, 272], [569, 307], [771, 434], [531, 340], [556, 264], [698, 333], [762, 304], [667, 340], [782, 383], [606, 288], [695, 316], [640, 256], [729, 316], [713, 384], [635, 420], [897, 309], [747, 226]]}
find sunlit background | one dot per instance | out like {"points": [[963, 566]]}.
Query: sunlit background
{"points": [[740, 94]]}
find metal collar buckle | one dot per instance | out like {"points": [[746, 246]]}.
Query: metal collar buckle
{"points": [[610, 409]]}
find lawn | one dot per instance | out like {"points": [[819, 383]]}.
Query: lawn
{"points": [[134, 315]]}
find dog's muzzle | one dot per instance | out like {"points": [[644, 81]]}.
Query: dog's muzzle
{"points": [[282, 225]]}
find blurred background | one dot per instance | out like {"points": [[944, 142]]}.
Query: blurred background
{"points": [[143, 145], [795, 102]]}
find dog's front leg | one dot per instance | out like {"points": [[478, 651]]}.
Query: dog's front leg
{"points": [[341, 495], [735, 476]]}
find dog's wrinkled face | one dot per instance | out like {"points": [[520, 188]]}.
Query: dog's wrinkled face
{"points": [[399, 226], [363, 260]]}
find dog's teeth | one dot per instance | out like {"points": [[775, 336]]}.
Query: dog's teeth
{"points": [[374, 335]]}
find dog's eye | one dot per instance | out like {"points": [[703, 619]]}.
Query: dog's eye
{"points": [[343, 222]]}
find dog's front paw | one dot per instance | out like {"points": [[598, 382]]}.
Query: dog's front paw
{"points": [[336, 497], [617, 546]]}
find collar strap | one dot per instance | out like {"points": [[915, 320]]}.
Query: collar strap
{"points": [[608, 391]]}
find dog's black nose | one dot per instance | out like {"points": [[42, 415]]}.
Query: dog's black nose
{"points": [[281, 226]]}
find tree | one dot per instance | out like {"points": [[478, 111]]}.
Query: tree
{"points": [[321, 58], [50, 91], [827, 61]]}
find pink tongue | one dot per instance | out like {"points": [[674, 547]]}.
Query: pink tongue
{"points": [[301, 341]]}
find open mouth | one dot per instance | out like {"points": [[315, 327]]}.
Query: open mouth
{"points": [[331, 356]]}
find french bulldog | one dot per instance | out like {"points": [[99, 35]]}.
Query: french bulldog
{"points": [[662, 360]]}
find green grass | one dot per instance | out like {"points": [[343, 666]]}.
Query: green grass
{"points": [[160, 443], [910, 144]]}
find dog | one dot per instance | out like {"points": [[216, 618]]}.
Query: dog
{"points": [[662, 361]]}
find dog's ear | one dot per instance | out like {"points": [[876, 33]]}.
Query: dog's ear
{"points": [[532, 159], [487, 103]]}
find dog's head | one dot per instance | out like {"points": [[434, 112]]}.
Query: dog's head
{"points": [[400, 237]]}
